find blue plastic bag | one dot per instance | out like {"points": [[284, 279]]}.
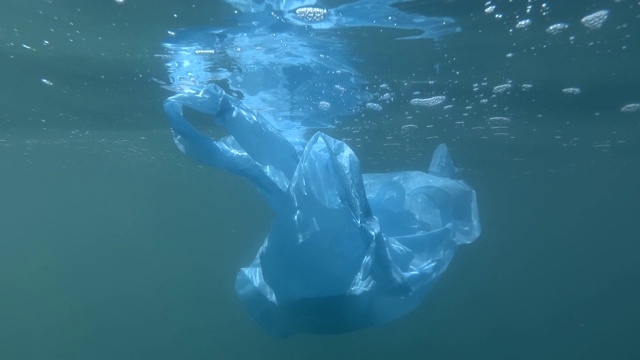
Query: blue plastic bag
{"points": [[346, 250]]}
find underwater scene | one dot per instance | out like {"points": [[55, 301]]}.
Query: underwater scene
{"points": [[319, 179]]}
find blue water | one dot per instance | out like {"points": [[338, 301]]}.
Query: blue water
{"points": [[115, 245]]}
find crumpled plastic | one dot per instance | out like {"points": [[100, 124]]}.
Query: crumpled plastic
{"points": [[345, 250]]}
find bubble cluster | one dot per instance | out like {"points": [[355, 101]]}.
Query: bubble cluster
{"points": [[373, 106], [501, 88], [311, 14], [523, 24], [571, 91], [324, 105], [556, 29], [498, 119], [595, 20], [432, 101], [408, 127], [629, 108], [204, 52], [490, 9]]}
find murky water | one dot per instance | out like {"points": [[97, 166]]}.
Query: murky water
{"points": [[115, 245]]}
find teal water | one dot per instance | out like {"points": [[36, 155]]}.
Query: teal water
{"points": [[113, 245]]}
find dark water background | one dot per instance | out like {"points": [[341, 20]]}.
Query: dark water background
{"points": [[113, 245]]}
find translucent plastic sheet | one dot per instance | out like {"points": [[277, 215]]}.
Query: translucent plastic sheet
{"points": [[345, 250]]}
